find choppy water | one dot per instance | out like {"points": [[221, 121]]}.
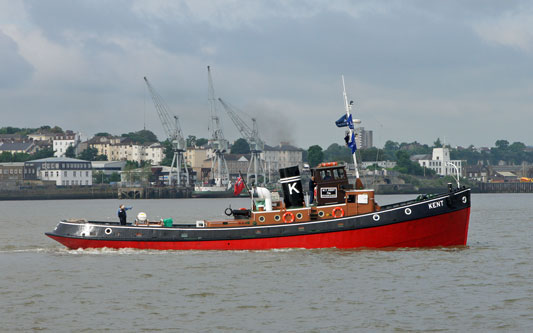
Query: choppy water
{"points": [[43, 286]]}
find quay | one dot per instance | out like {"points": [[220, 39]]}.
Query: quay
{"points": [[92, 192]]}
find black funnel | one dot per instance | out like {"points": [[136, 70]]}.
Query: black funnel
{"points": [[291, 182]]}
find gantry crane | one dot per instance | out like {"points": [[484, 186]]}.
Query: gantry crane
{"points": [[173, 131], [219, 168], [251, 135]]}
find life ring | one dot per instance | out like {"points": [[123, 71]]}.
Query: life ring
{"points": [[291, 217], [335, 210]]}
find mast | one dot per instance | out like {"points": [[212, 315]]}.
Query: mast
{"points": [[351, 127]]}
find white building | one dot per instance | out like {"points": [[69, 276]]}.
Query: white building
{"points": [[64, 140], [154, 153], [381, 164], [282, 156], [441, 163], [63, 170], [364, 138], [122, 149]]}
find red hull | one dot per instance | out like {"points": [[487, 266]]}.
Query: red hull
{"points": [[450, 229]]}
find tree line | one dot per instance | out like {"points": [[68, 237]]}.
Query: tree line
{"points": [[515, 153]]}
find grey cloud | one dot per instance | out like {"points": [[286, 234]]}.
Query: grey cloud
{"points": [[14, 68], [409, 54]]}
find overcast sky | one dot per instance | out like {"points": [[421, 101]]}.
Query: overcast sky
{"points": [[417, 70]]}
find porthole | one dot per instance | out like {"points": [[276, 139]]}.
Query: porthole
{"points": [[408, 211], [321, 213], [261, 219], [277, 218], [108, 231], [376, 217], [299, 216], [465, 200]]}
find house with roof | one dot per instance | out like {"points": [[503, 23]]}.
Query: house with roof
{"points": [[27, 147], [124, 149], [281, 156], [42, 136], [64, 171], [504, 177], [62, 141], [11, 138], [478, 172]]}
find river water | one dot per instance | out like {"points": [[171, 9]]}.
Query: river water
{"points": [[486, 286]]}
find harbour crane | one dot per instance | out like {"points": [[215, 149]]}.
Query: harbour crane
{"points": [[173, 131], [251, 135], [219, 167]]}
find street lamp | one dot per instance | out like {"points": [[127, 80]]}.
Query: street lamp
{"points": [[456, 169]]}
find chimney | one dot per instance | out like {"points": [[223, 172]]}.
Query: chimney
{"points": [[291, 183]]}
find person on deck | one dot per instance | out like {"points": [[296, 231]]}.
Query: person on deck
{"points": [[122, 214], [312, 185]]}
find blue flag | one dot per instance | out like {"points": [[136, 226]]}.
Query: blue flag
{"points": [[352, 144], [341, 122], [350, 122], [345, 121]]}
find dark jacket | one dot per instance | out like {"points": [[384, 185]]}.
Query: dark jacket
{"points": [[312, 185]]}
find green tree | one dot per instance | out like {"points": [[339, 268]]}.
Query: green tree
{"points": [[191, 141], [337, 153], [437, 143], [371, 154], [201, 142], [517, 147], [115, 177], [315, 155], [9, 130], [502, 144], [70, 152], [103, 134], [43, 153], [169, 153], [390, 149], [56, 129], [90, 154], [141, 136], [98, 177], [405, 165], [240, 146], [6, 157]]}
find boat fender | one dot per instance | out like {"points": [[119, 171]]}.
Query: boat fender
{"points": [[288, 217], [228, 211], [336, 209]]}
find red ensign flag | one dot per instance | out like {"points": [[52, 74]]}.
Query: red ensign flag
{"points": [[239, 185]]}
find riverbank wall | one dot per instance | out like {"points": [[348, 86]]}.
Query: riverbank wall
{"points": [[92, 192]]}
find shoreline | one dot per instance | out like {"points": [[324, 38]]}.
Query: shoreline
{"points": [[113, 192]]}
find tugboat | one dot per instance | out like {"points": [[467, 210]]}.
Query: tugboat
{"points": [[345, 216]]}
